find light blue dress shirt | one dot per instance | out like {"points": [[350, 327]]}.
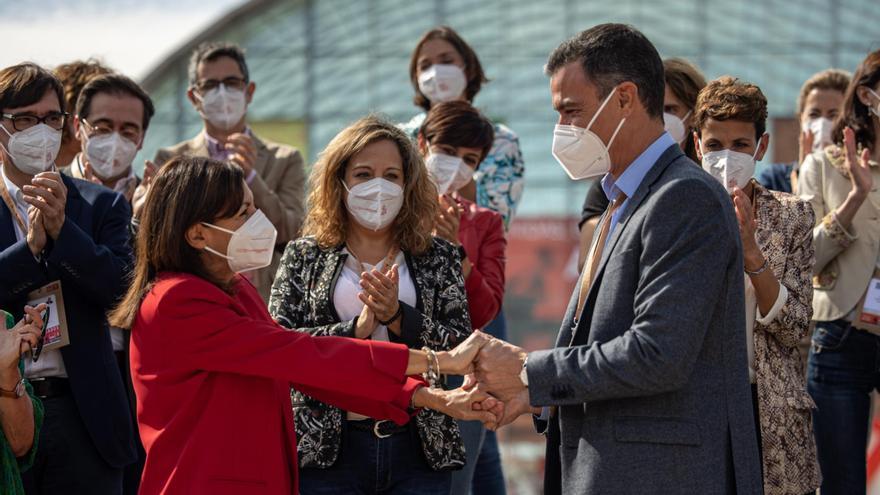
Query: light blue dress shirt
{"points": [[632, 177]]}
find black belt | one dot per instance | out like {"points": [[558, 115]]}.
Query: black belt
{"points": [[50, 386], [381, 428]]}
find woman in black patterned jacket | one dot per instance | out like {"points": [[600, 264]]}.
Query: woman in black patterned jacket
{"points": [[368, 267]]}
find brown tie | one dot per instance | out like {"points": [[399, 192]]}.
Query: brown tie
{"points": [[596, 254]]}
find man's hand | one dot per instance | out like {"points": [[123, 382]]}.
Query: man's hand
{"points": [[242, 151], [139, 199], [498, 367], [516, 407], [36, 234], [48, 194]]}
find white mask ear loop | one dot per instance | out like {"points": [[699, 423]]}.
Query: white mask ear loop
{"points": [[758, 147], [602, 107], [212, 250]]}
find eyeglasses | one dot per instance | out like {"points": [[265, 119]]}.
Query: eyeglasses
{"points": [[24, 121], [129, 132], [236, 83]]}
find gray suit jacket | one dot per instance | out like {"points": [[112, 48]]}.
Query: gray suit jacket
{"points": [[652, 383]]}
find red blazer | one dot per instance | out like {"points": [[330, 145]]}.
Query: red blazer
{"points": [[481, 232], [212, 374]]}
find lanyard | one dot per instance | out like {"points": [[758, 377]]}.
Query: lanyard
{"points": [[7, 199]]}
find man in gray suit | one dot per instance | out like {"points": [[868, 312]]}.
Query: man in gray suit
{"points": [[648, 384]]}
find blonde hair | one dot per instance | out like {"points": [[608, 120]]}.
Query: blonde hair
{"points": [[327, 220], [833, 79]]}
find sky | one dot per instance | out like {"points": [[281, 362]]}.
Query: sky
{"points": [[130, 36]]}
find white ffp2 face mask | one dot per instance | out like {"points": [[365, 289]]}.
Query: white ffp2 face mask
{"points": [[250, 246], [375, 203], [33, 150], [442, 82], [875, 108], [731, 168], [581, 152], [223, 107], [109, 155], [449, 173], [821, 128], [675, 127]]}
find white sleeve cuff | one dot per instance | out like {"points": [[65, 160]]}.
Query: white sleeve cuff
{"points": [[777, 307]]}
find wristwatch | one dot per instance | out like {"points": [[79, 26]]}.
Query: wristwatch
{"points": [[523, 375], [16, 392]]}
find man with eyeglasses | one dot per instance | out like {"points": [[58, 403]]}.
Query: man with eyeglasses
{"points": [[68, 237], [221, 90], [111, 119]]}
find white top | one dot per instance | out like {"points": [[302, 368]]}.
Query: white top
{"points": [[50, 362], [753, 313], [348, 286]]}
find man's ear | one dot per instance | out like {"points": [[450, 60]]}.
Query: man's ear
{"points": [[191, 96], [249, 91], [763, 144], [627, 96], [696, 136], [195, 237]]}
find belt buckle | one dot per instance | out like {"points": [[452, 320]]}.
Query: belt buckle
{"points": [[376, 426]]}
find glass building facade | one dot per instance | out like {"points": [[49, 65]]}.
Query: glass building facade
{"points": [[320, 64]]}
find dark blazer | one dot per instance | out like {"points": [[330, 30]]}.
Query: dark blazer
{"points": [[652, 382], [302, 298], [92, 257]]}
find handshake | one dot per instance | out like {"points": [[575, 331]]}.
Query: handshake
{"points": [[493, 391]]}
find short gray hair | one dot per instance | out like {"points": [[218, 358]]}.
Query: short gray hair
{"points": [[212, 50]]}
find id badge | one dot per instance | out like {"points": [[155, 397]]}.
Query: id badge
{"points": [[56, 335], [868, 315]]}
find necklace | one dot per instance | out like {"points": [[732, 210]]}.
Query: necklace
{"points": [[388, 260]]}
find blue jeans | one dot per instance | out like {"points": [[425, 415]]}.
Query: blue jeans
{"points": [[370, 465], [844, 368]]}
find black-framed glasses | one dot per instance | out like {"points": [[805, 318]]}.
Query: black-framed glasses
{"points": [[24, 121], [129, 132], [232, 82]]}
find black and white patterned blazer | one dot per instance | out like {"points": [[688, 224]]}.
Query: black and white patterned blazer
{"points": [[302, 299]]}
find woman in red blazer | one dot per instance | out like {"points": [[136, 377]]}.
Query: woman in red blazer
{"points": [[212, 371]]}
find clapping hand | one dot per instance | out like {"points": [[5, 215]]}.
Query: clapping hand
{"points": [[380, 292], [139, 198], [47, 193], [242, 151], [857, 166], [448, 220]]}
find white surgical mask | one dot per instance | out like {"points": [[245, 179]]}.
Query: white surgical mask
{"points": [[251, 245], [876, 107], [581, 152], [675, 126], [449, 173], [731, 168], [374, 203], [442, 82], [109, 154], [223, 107], [821, 128], [33, 150]]}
